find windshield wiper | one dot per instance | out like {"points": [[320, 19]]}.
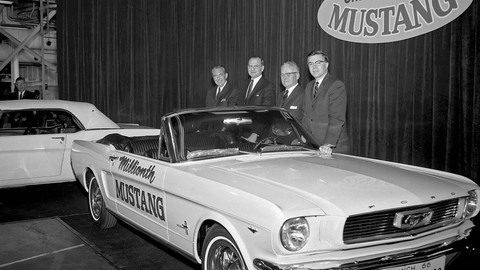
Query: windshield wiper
{"points": [[212, 153], [282, 147]]}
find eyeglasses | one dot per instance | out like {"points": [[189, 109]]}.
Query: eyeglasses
{"points": [[316, 63], [288, 74]]}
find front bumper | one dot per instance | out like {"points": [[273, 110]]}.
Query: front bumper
{"points": [[450, 248]]}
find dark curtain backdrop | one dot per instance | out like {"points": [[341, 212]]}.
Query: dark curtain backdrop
{"points": [[415, 101]]}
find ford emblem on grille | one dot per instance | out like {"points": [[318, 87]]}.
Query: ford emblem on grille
{"points": [[413, 218]]}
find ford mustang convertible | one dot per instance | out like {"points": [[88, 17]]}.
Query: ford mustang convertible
{"points": [[226, 202], [36, 137]]}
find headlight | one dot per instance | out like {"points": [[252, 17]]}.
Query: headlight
{"points": [[472, 204], [294, 233]]}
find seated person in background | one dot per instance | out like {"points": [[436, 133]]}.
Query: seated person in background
{"points": [[19, 120], [5, 120]]}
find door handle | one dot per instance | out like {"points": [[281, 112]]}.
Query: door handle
{"points": [[59, 138]]}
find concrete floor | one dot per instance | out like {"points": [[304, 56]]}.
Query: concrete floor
{"points": [[48, 227], [47, 244]]}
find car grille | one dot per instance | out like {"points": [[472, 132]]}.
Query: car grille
{"points": [[379, 225]]}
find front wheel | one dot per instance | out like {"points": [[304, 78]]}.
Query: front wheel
{"points": [[220, 252], [96, 206]]}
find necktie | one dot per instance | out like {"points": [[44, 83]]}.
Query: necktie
{"points": [[218, 92], [21, 95], [249, 90], [315, 89], [284, 98]]}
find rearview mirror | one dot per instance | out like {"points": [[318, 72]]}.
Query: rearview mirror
{"points": [[237, 121]]}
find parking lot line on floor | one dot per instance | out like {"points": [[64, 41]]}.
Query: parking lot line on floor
{"points": [[46, 244], [41, 255]]}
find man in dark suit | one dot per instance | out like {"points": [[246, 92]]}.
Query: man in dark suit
{"points": [[292, 98], [260, 91], [21, 91], [325, 106], [223, 94]]}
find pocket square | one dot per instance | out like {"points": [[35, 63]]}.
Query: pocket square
{"points": [[293, 107], [223, 100]]}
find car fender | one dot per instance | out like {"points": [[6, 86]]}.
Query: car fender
{"points": [[469, 184], [90, 156], [240, 230]]}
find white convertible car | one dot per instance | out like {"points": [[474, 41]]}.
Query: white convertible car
{"points": [[227, 203], [36, 137]]}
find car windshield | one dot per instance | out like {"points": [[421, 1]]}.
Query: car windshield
{"points": [[216, 133]]}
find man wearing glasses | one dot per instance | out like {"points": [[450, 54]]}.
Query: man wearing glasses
{"points": [[325, 106], [293, 96]]}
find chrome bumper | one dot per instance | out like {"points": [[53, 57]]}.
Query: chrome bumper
{"points": [[449, 249]]}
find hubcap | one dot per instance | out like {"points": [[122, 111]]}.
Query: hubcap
{"points": [[96, 200], [225, 258]]}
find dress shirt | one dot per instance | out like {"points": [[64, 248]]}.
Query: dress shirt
{"points": [[289, 90], [320, 80], [219, 89], [254, 82]]}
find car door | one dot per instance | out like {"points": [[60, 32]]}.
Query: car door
{"points": [[28, 153], [136, 186]]}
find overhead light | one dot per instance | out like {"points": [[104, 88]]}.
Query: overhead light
{"points": [[6, 2]]}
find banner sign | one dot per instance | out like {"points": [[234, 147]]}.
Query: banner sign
{"points": [[381, 21]]}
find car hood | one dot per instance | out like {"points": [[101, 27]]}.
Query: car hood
{"points": [[343, 185]]}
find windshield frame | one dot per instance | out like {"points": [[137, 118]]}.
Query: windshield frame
{"points": [[212, 133]]}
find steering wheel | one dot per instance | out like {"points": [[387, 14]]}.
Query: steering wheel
{"points": [[268, 140]]}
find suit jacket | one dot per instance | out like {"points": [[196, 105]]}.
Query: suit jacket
{"points": [[26, 95], [263, 94], [325, 116], [230, 96], [294, 102]]}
